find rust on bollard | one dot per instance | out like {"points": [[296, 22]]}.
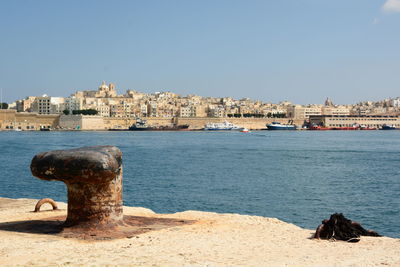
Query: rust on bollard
{"points": [[93, 176], [44, 201]]}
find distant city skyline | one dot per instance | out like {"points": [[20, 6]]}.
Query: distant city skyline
{"points": [[299, 51]]}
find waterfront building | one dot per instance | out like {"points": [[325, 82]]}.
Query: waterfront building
{"points": [[27, 121], [73, 103], [187, 111], [332, 110], [152, 109], [25, 105], [48, 105], [299, 112], [216, 111], [103, 110], [372, 121]]}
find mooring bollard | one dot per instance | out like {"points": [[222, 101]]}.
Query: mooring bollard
{"points": [[93, 176]]}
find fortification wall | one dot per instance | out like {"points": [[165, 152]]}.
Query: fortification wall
{"points": [[10, 119], [125, 123]]}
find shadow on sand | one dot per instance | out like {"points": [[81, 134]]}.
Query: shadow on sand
{"points": [[132, 226]]}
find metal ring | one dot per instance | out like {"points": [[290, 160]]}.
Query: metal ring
{"points": [[43, 201]]}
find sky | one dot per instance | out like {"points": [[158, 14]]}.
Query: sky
{"points": [[301, 51]]}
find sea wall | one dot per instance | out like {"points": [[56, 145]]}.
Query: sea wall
{"points": [[10, 119], [34, 121], [81, 122], [250, 123], [125, 123]]}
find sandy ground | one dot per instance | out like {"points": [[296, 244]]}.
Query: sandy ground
{"points": [[213, 240]]}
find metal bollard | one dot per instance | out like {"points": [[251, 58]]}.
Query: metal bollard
{"points": [[93, 176]]}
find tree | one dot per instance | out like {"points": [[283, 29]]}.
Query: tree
{"points": [[66, 112], [3, 105]]}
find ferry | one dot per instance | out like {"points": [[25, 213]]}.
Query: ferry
{"points": [[222, 126], [278, 126]]}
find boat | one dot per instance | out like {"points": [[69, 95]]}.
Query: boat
{"points": [[366, 128], [346, 128], [245, 130], [278, 126], [118, 129], [388, 127], [319, 128], [141, 125], [222, 126]]}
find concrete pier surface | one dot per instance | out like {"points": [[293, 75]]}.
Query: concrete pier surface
{"points": [[210, 239]]}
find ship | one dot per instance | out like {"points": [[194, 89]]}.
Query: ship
{"points": [[222, 126], [141, 125], [278, 126], [388, 127]]}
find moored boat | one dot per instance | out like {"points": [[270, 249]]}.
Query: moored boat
{"points": [[141, 125], [319, 128], [278, 126], [388, 127], [222, 126]]}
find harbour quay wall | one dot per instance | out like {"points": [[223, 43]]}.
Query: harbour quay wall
{"points": [[250, 123], [10, 119], [196, 123], [125, 123], [81, 122]]}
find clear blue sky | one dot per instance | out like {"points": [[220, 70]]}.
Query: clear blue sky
{"points": [[296, 50]]}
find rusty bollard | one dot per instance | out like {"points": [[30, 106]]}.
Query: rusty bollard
{"points": [[93, 176]]}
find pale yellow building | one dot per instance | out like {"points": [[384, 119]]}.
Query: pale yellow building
{"points": [[299, 112], [337, 111], [350, 121]]}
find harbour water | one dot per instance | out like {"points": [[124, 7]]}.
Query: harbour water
{"points": [[300, 177]]}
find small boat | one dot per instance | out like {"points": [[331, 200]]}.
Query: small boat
{"points": [[315, 127], [118, 129], [222, 126], [388, 127], [278, 126], [349, 128], [367, 128], [245, 130]]}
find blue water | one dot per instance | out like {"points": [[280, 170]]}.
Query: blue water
{"points": [[299, 177]]}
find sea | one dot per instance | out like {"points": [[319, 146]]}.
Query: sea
{"points": [[300, 177]]}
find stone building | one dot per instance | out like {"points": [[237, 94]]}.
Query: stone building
{"points": [[48, 105], [299, 112], [350, 121]]}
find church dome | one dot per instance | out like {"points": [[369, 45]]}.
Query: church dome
{"points": [[103, 86]]}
